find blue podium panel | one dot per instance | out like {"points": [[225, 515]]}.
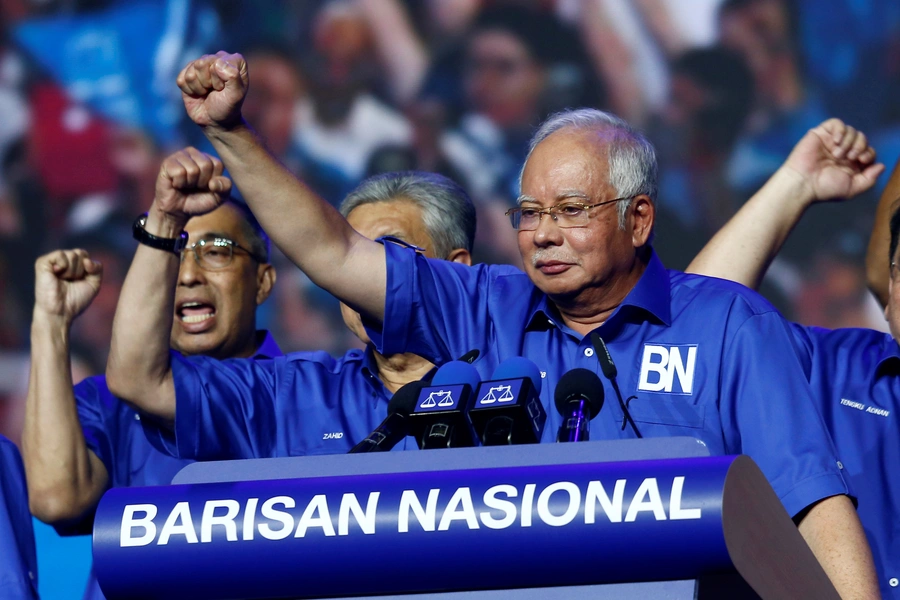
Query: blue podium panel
{"points": [[511, 522], [456, 458]]}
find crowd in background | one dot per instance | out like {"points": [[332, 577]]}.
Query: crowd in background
{"points": [[343, 89]]}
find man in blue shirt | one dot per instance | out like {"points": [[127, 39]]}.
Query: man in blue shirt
{"points": [[707, 357], [18, 569], [855, 373], [303, 403], [79, 442]]}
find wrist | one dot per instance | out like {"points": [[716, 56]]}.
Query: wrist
{"points": [[45, 323], [164, 224], [794, 188], [221, 131]]}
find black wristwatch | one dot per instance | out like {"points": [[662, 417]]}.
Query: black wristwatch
{"points": [[174, 245]]}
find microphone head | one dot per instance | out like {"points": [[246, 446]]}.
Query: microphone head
{"points": [[519, 367], [456, 372], [470, 356], [404, 400], [606, 362], [579, 384]]}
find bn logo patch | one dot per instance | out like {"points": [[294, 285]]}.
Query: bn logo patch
{"points": [[668, 369]]}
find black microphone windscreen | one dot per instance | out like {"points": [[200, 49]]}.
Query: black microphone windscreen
{"points": [[470, 356], [404, 399], [606, 362], [579, 384]]}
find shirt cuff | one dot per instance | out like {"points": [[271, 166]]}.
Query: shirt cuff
{"points": [[188, 397], [813, 489], [391, 337]]}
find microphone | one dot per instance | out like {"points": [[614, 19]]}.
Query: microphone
{"points": [[438, 419], [468, 357], [507, 408], [609, 371], [395, 426], [579, 397]]}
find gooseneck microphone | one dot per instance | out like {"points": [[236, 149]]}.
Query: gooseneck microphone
{"points": [[609, 371], [439, 417], [395, 426], [507, 409], [578, 397]]}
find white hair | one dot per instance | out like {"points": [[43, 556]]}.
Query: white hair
{"points": [[632, 158]]}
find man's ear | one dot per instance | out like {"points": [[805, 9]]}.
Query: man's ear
{"points": [[460, 255], [265, 281], [643, 214]]}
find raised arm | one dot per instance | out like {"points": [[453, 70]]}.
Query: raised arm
{"points": [[306, 228], [138, 370], [65, 478], [832, 161], [877, 259]]}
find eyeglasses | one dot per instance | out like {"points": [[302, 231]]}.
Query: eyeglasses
{"points": [[212, 252], [566, 214]]}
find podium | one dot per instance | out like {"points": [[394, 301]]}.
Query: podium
{"points": [[650, 518]]}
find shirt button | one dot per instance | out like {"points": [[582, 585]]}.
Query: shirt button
{"points": [[137, 417], [589, 352], [840, 465], [894, 582]]}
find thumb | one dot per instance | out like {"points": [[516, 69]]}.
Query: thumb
{"points": [[220, 185], [228, 73], [866, 179], [92, 267]]}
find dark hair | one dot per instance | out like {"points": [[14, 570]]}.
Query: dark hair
{"points": [[257, 238], [895, 233]]}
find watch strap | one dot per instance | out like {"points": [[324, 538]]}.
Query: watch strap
{"points": [[174, 245]]}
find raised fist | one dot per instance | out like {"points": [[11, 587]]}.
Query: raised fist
{"points": [[213, 88], [190, 183], [835, 160], [65, 283]]}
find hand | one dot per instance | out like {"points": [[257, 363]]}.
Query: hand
{"points": [[65, 283], [213, 88], [190, 183], [835, 161]]}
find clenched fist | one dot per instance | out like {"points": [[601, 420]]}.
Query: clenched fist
{"points": [[835, 160], [66, 282], [190, 183], [213, 88]]}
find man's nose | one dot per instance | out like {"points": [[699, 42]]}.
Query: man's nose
{"points": [[190, 272], [548, 232]]}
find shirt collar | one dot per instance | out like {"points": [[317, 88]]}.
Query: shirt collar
{"points": [[890, 355], [651, 294], [267, 348]]}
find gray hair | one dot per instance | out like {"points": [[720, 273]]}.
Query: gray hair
{"points": [[447, 211], [256, 236], [632, 159]]}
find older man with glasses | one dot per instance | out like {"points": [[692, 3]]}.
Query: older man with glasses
{"points": [[701, 356], [77, 443]]}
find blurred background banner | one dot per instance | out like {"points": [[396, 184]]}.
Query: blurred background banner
{"points": [[343, 89]]}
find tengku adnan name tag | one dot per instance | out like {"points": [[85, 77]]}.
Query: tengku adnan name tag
{"points": [[437, 530]]}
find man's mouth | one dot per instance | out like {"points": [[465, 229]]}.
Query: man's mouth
{"points": [[552, 267], [195, 312]]}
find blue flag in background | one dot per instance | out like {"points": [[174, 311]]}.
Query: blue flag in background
{"points": [[122, 61]]}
